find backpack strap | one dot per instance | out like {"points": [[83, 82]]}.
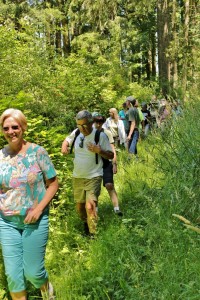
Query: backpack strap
{"points": [[96, 139], [76, 134]]}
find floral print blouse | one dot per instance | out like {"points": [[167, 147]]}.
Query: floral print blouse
{"points": [[22, 184]]}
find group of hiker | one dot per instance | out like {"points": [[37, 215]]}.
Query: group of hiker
{"points": [[28, 182], [95, 158], [95, 142]]}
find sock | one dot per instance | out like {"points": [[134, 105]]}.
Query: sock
{"points": [[116, 208]]}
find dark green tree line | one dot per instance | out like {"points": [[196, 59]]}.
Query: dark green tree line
{"points": [[60, 56]]}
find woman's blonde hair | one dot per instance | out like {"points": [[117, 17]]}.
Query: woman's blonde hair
{"points": [[15, 114], [115, 112]]}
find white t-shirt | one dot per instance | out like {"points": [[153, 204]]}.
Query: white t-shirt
{"points": [[85, 161], [120, 126]]}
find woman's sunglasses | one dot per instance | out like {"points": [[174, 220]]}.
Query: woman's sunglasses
{"points": [[14, 127]]}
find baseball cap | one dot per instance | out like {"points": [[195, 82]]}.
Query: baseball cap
{"points": [[98, 117], [95, 113]]}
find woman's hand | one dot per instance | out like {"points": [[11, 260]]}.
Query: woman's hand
{"points": [[32, 216]]}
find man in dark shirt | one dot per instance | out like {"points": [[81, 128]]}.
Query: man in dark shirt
{"points": [[134, 120]]}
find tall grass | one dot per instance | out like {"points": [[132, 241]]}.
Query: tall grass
{"points": [[179, 161], [148, 254]]}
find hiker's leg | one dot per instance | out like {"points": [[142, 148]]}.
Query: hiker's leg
{"points": [[93, 188]]}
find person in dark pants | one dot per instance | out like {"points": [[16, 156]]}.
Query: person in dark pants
{"points": [[111, 168], [134, 120]]}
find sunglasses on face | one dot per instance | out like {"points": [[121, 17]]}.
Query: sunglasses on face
{"points": [[84, 126], [81, 142], [14, 127]]}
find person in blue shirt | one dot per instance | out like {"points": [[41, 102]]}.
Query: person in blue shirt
{"points": [[124, 117]]}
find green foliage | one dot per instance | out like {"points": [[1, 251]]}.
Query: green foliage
{"points": [[90, 78], [147, 254], [142, 93]]}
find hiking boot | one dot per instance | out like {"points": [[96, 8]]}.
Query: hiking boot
{"points": [[92, 236], [119, 213]]}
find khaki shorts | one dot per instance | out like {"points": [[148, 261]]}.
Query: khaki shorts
{"points": [[86, 189]]}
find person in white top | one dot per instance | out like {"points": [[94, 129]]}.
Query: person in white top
{"points": [[116, 127], [87, 173]]}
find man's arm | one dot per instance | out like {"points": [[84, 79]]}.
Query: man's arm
{"points": [[132, 127], [111, 142], [114, 151], [65, 147], [114, 161], [106, 154]]}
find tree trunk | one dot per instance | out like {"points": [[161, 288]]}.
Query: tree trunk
{"points": [[186, 52], [58, 38], [163, 30], [153, 54], [175, 45], [66, 38]]}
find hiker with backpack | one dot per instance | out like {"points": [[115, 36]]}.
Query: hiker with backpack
{"points": [[111, 167], [88, 168]]}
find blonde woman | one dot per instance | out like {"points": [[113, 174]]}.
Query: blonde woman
{"points": [[28, 183], [116, 127]]}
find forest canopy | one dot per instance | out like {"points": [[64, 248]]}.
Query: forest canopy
{"points": [[58, 57]]}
